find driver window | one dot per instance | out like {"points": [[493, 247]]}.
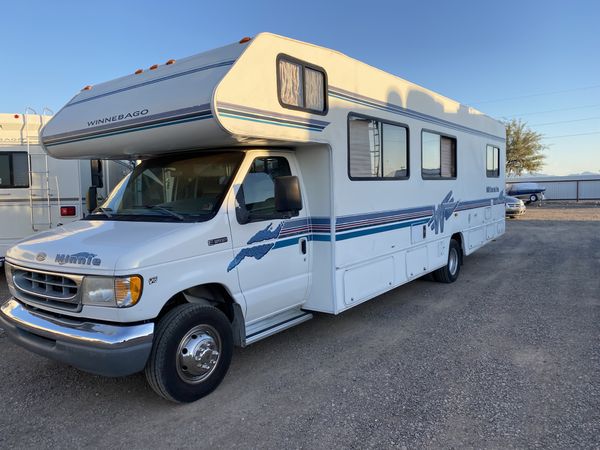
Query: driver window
{"points": [[256, 196]]}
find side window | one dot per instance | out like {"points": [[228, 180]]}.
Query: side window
{"points": [[256, 196], [376, 149], [492, 167], [438, 156], [14, 170], [301, 86]]}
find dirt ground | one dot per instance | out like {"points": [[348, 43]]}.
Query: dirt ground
{"points": [[508, 356]]}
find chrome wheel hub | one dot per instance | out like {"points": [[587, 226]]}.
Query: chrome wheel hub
{"points": [[453, 261], [198, 354]]}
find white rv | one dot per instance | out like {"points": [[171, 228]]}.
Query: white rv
{"points": [[38, 192], [278, 178]]}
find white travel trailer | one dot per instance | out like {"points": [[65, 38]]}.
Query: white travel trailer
{"points": [[38, 192], [278, 178]]}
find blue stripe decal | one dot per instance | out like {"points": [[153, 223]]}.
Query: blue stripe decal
{"points": [[288, 233], [353, 234], [156, 80], [271, 122], [389, 107], [148, 127]]}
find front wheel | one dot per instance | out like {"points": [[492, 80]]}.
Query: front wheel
{"points": [[449, 273], [192, 351]]}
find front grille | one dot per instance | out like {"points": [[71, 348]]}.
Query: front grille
{"points": [[53, 289]]}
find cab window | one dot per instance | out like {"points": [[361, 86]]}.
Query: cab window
{"points": [[256, 196]]}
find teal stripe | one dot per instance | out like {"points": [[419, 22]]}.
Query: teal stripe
{"points": [[270, 122], [114, 133], [343, 237]]}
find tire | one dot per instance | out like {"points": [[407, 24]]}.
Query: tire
{"points": [[197, 331], [449, 273], [533, 198]]}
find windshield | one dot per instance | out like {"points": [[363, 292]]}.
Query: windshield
{"points": [[176, 188]]}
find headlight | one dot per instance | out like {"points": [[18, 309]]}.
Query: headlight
{"points": [[107, 291]]}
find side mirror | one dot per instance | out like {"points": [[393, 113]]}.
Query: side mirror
{"points": [[287, 194], [91, 199]]}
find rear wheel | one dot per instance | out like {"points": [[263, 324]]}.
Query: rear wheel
{"points": [[449, 273], [533, 198], [192, 351]]}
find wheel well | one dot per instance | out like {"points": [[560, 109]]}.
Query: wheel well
{"points": [[211, 294], [458, 238]]}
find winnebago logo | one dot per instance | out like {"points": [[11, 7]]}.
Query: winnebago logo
{"points": [[81, 258], [118, 117]]}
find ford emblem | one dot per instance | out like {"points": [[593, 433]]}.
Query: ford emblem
{"points": [[41, 257]]}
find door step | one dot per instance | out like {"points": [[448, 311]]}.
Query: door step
{"points": [[275, 324]]}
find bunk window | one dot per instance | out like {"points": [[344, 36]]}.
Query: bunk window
{"points": [[492, 167], [301, 86], [376, 149], [14, 170], [439, 156]]}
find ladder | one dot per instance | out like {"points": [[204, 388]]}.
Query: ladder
{"points": [[376, 152], [39, 181]]}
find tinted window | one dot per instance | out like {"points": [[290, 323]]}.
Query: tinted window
{"points": [[492, 168], [14, 170], [256, 196], [301, 85], [377, 149], [438, 156]]}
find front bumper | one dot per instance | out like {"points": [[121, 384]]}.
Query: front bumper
{"points": [[103, 349]]}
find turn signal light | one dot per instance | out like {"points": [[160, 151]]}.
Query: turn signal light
{"points": [[66, 211], [128, 290]]}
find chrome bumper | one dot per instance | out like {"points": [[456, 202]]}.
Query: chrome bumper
{"points": [[112, 350]]}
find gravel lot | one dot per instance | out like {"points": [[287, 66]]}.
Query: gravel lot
{"points": [[508, 356]]}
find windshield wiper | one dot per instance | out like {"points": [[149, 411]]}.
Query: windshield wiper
{"points": [[104, 211], [163, 209]]}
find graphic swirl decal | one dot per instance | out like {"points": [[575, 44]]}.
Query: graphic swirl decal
{"points": [[257, 251], [442, 212]]}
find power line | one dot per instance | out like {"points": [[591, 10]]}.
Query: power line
{"points": [[565, 121], [555, 110], [570, 135], [562, 91]]}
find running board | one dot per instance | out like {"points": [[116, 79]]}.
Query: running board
{"points": [[275, 324]]}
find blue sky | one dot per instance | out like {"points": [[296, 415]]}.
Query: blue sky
{"points": [[538, 60]]}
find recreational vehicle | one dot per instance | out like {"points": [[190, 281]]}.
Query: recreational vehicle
{"points": [[38, 192], [278, 179]]}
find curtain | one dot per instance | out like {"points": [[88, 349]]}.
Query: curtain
{"points": [[360, 148], [290, 83], [314, 85], [448, 157]]}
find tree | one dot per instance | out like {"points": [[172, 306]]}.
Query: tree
{"points": [[523, 148]]}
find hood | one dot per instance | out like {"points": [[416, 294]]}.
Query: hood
{"points": [[106, 247]]}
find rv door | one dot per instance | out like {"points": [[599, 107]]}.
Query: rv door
{"points": [[272, 259]]}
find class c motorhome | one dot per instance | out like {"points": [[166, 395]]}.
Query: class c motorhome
{"points": [[278, 179], [38, 192]]}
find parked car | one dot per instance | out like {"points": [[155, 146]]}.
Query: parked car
{"points": [[514, 207], [530, 192]]}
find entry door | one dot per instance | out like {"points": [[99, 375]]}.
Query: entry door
{"points": [[270, 256]]}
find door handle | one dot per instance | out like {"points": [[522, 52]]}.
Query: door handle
{"points": [[303, 245]]}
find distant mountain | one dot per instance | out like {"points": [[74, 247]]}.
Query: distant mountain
{"points": [[584, 173]]}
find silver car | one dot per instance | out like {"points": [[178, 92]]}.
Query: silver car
{"points": [[514, 207]]}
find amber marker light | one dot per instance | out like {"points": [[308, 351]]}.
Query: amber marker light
{"points": [[245, 39], [87, 88], [169, 62], [128, 290], [137, 72], [154, 67]]}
